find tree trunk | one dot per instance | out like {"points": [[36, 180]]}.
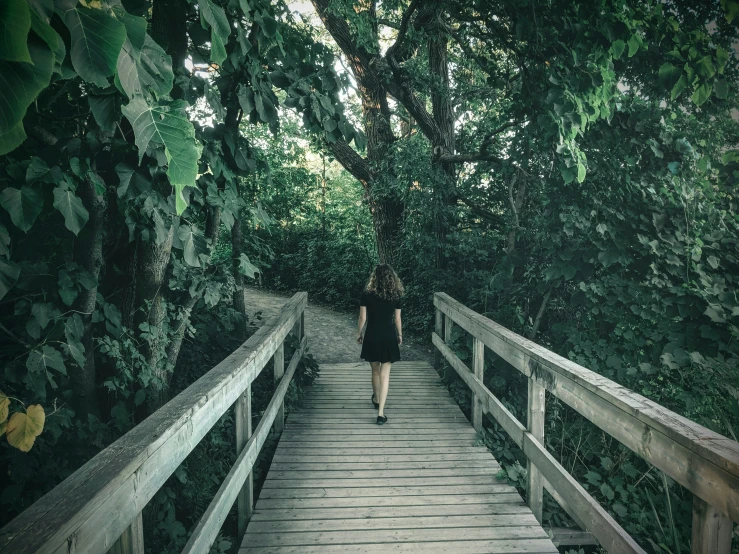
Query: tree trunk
{"points": [[239, 302], [152, 264], [443, 114], [386, 207], [88, 253], [212, 226]]}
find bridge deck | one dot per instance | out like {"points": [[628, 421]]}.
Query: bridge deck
{"points": [[341, 483]]}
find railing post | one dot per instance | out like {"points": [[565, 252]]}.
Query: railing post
{"points": [[448, 325], [279, 368], [132, 539], [478, 365], [535, 426], [712, 530], [438, 329], [245, 500]]}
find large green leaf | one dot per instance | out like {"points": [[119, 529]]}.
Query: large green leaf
{"points": [[97, 38], [166, 124], [8, 276], [680, 86], [70, 206], [702, 93], [23, 205], [145, 71], [214, 17], [12, 139], [106, 110], [669, 75], [15, 23], [20, 83]]}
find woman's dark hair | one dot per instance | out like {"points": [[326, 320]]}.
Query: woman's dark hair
{"points": [[384, 283]]}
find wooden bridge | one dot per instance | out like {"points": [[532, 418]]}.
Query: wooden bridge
{"points": [[340, 483]]}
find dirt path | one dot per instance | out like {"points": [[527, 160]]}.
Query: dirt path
{"points": [[331, 334]]}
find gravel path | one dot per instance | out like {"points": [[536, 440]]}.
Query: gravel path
{"points": [[331, 334]]}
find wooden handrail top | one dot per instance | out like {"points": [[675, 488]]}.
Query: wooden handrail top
{"points": [[703, 461], [89, 510]]}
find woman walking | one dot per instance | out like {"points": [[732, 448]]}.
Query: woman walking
{"points": [[380, 308]]}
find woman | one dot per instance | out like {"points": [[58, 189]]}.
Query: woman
{"points": [[380, 308]]}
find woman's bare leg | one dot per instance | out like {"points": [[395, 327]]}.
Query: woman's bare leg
{"points": [[375, 380], [384, 385]]}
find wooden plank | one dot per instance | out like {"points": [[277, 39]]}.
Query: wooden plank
{"points": [[448, 501], [570, 537], [535, 424], [278, 366], [478, 365], [387, 523], [210, 523], [132, 539], [388, 491], [369, 450], [468, 434], [397, 445], [100, 500], [712, 530], [385, 475], [390, 511], [490, 464], [701, 460], [335, 483], [473, 456], [391, 536], [438, 329], [597, 520], [496, 546], [383, 431], [243, 423]]}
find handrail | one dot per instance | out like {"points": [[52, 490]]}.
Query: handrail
{"points": [[704, 462], [102, 501]]}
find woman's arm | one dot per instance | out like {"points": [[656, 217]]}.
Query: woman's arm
{"points": [[362, 320], [399, 326]]}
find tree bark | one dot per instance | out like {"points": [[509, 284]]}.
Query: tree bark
{"points": [[386, 207], [239, 302], [443, 114], [152, 264], [88, 253]]}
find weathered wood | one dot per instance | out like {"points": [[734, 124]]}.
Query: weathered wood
{"points": [[132, 539], [439, 330], [597, 520], [478, 365], [570, 537], [243, 434], [712, 530], [279, 370], [94, 506], [535, 425], [701, 460], [346, 482], [210, 523], [493, 546]]}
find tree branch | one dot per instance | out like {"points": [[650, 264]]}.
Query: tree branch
{"points": [[351, 161], [403, 30]]}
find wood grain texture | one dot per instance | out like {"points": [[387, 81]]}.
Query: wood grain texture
{"points": [[701, 460], [340, 483], [89, 511], [574, 498]]}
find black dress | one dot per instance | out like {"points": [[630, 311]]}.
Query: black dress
{"points": [[380, 342]]}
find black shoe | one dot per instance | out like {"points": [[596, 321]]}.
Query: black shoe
{"points": [[381, 420], [376, 404]]}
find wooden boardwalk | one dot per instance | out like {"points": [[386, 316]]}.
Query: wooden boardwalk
{"points": [[341, 483]]}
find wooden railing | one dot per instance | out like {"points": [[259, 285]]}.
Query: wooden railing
{"points": [[98, 508], [704, 462]]}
